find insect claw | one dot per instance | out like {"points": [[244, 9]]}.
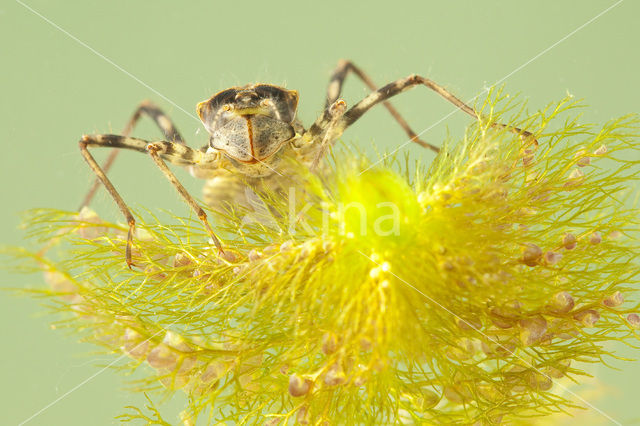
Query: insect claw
{"points": [[338, 108], [127, 252]]}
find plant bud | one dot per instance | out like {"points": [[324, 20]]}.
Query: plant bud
{"points": [[532, 330], [135, 345], [582, 159], [588, 318], [299, 386], [616, 299], [569, 241], [634, 320], [531, 254], [162, 357], [575, 179], [561, 303], [181, 259], [601, 151], [329, 343], [335, 376], [551, 257]]}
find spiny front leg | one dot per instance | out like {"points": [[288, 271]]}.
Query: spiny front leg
{"points": [[155, 149], [163, 122], [83, 144], [399, 86], [175, 153], [335, 89], [335, 110]]}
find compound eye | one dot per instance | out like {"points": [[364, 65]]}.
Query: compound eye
{"points": [[266, 103]]}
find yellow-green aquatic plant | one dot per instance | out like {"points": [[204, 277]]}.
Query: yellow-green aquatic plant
{"points": [[378, 292]]}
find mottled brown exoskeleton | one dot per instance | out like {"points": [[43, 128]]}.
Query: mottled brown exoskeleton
{"points": [[251, 129]]}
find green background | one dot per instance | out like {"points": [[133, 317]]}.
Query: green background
{"points": [[53, 89]]}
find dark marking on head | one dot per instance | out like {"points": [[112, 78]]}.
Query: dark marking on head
{"points": [[249, 124]]}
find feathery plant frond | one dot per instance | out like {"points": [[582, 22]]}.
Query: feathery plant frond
{"points": [[469, 291]]}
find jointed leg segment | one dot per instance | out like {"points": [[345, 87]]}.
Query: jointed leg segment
{"points": [[317, 131], [159, 151], [162, 121], [154, 149], [335, 88], [86, 140]]}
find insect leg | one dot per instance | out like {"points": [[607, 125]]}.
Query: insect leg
{"points": [[83, 144], [175, 153], [335, 89], [336, 109], [162, 121], [159, 149], [393, 89]]}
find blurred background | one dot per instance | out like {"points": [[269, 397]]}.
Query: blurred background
{"points": [[70, 68]]}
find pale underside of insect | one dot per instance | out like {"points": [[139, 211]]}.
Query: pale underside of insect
{"points": [[251, 130]]}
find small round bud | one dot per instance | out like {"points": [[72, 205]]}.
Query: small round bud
{"points": [[162, 357], [582, 159], [601, 151], [588, 318], [254, 255], [551, 257], [532, 330], [634, 320], [214, 371], [457, 394], [614, 300], [614, 235], [176, 341], [505, 316], [575, 179], [335, 376], [531, 254], [135, 345], [595, 238], [561, 303], [558, 370], [569, 241], [468, 323], [540, 382], [299, 386], [181, 259], [329, 343], [302, 416], [429, 399]]}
